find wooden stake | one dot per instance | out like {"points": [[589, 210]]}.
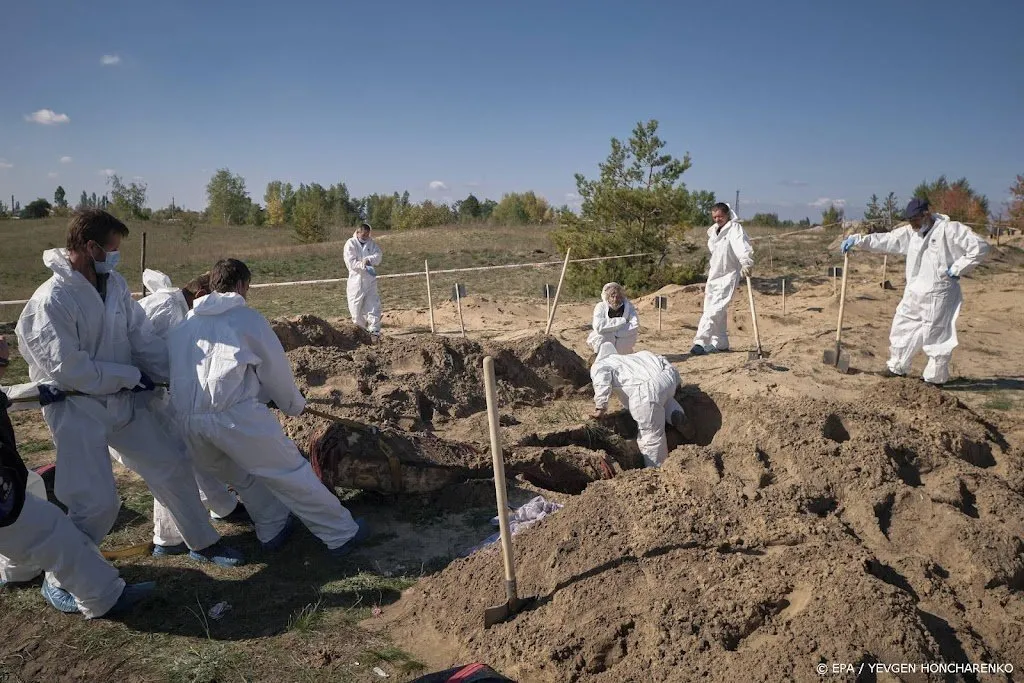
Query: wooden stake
{"points": [[547, 300], [458, 302], [783, 296], [834, 280], [143, 263], [659, 320], [771, 261], [885, 265], [558, 293], [430, 300]]}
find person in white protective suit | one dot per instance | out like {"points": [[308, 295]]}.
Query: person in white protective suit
{"points": [[938, 252], [82, 331], [731, 257], [362, 256], [615, 320], [646, 384], [226, 364], [166, 307], [34, 532]]}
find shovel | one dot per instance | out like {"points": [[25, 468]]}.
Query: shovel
{"points": [[754, 355], [836, 357], [498, 613]]}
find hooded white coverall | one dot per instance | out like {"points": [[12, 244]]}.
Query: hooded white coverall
{"points": [[926, 316], [226, 363], [76, 340], [730, 252], [646, 384], [363, 298], [621, 332], [166, 308]]}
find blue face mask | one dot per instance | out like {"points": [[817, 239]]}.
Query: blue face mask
{"points": [[109, 265]]}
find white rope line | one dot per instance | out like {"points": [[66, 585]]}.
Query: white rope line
{"points": [[416, 273]]}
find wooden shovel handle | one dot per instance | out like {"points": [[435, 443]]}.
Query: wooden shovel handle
{"points": [[842, 300], [490, 386]]}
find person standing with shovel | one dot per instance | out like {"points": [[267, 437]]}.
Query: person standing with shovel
{"points": [[938, 252]]}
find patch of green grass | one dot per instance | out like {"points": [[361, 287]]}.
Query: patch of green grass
{"points": [[394, 656], [998, 403], [308, 618], [35, 446], [204, 662]]}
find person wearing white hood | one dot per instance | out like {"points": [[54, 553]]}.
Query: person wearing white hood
{"points": [[227, 367], [646, 384], [615, 320], [731, 257], [166, 307], [362, 256], [35, 532], [82, 331], [938, 252]]}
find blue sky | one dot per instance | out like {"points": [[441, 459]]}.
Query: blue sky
{"points": [[790, 101]]}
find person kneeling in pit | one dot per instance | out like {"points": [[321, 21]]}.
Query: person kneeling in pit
{"points": [[615, 321], [646, 384], [227, 366]]}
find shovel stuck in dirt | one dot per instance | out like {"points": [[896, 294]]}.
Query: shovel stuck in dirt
{"points": [[836, 357], [758, 354], [498, 613]]}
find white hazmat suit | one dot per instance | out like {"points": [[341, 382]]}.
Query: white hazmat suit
{"points": [[730, 253], [621, 331], [166, 308], [363, 298], [646, 384], [226, 363], [926, 316], [75, 339]]}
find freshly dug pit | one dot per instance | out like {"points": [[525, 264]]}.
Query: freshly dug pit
{"points": [[886, 529]]}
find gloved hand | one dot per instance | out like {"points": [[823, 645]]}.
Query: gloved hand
{"points": [[371, 270], [745, 271], [145, 384], [48, 395], [849, 243], [598, 412], [949, 272]]}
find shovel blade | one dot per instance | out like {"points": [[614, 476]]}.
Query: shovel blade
{"points": [[830, 357], [499, 613], [843, 365]]}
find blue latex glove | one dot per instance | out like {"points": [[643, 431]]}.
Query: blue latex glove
{"points": [[48, 395], [949, 272], [145, 384], [371, 270], [848, 244]]}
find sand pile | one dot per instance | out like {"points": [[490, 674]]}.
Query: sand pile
{"points": [[309, 330], [886, 530], [415, 382]]}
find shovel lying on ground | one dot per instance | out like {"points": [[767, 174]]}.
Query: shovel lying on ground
{"points": [[499, 613], [836, 357], [754, 355]]}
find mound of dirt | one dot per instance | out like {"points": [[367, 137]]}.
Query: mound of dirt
{"points": [[415, 382], [309, 330], [807, 532]]}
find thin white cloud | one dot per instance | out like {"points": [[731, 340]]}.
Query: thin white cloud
{"points": [[822, 202], [66, 160], [51, 175], [47, 117], [107, 172], [6, 164], [438, 185], [110, 60], [794, 183]]}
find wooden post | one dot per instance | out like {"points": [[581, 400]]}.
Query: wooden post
{"points": [[783, 297], [771, 260], [659, 320], [458, 303], [833, 280], [558, 292], [143, 270], [885, 265], [430, 301], [547, 300]]}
